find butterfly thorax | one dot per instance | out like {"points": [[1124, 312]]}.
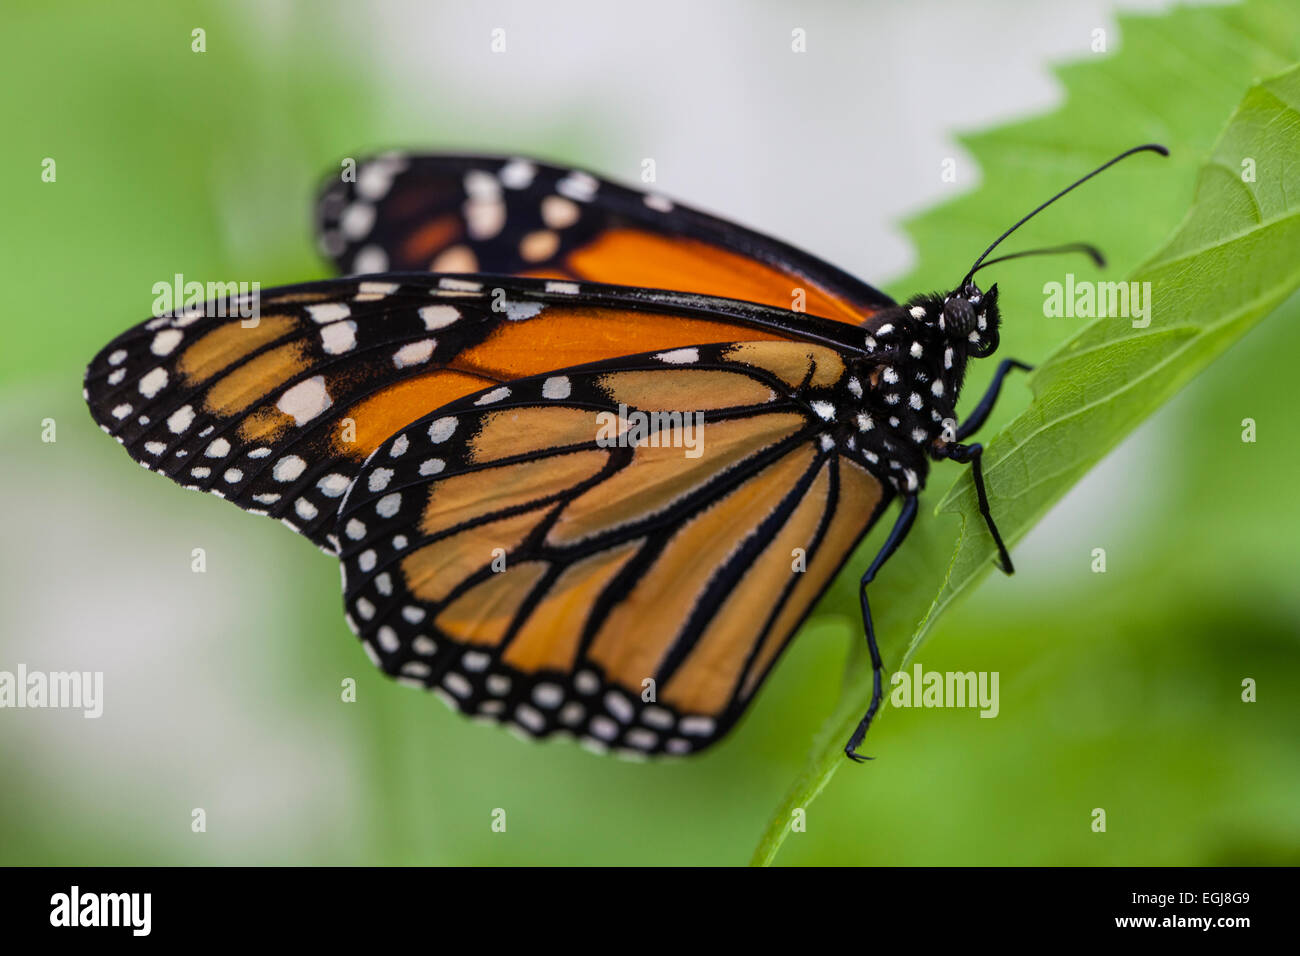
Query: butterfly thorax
{"points": [[910, 379]]}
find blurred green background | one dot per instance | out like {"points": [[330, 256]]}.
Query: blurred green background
{"points": [[1118, 690]]}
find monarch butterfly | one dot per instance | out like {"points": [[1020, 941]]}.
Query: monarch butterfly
{"points": [[490, 424]]}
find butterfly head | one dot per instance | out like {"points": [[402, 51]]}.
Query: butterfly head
{"points": [[963, 323], [969, 319]]}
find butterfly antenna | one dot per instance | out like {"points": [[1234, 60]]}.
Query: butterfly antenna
{"points": [[1085, 247], [1148, 147]]}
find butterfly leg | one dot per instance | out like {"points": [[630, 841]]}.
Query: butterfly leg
{"points": [[896, 536], [980, 413], [973, 454]]}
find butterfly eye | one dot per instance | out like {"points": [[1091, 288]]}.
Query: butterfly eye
{"points": [[959, 316]]}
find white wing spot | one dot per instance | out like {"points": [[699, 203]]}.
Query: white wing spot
{"points": [[357, 220], [375, 179], [517, 174], [559, 213], [457, 684], [438, 316], [415, 353], [306, 400], [556, 387], [339, 337], [519, 311], [370, 291], [387, 638], [328, 312], [679, 356], [480, 184], [548, 695], [529, 718], [578, 185], [181, 419], [153, 382], [618, 705], [333, 485], [368, 259], [165, 341], [288, 468], [441, 429], [484, 217], [642, 739], [696, 726]]}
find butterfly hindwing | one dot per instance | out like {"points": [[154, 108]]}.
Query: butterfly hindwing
{"points": [[552, 555], [523, 217]]}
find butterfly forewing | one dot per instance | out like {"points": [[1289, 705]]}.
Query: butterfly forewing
{"points": [[277, 412], [552, 555], [523, 217]]}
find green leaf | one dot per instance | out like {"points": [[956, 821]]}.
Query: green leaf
{"points": [[1233, 259]]}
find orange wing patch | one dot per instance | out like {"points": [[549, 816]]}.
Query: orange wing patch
{"points": [[859, 496], [562, 337], [383, 414], [631, 645], [633, 257], [549, 638]]}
